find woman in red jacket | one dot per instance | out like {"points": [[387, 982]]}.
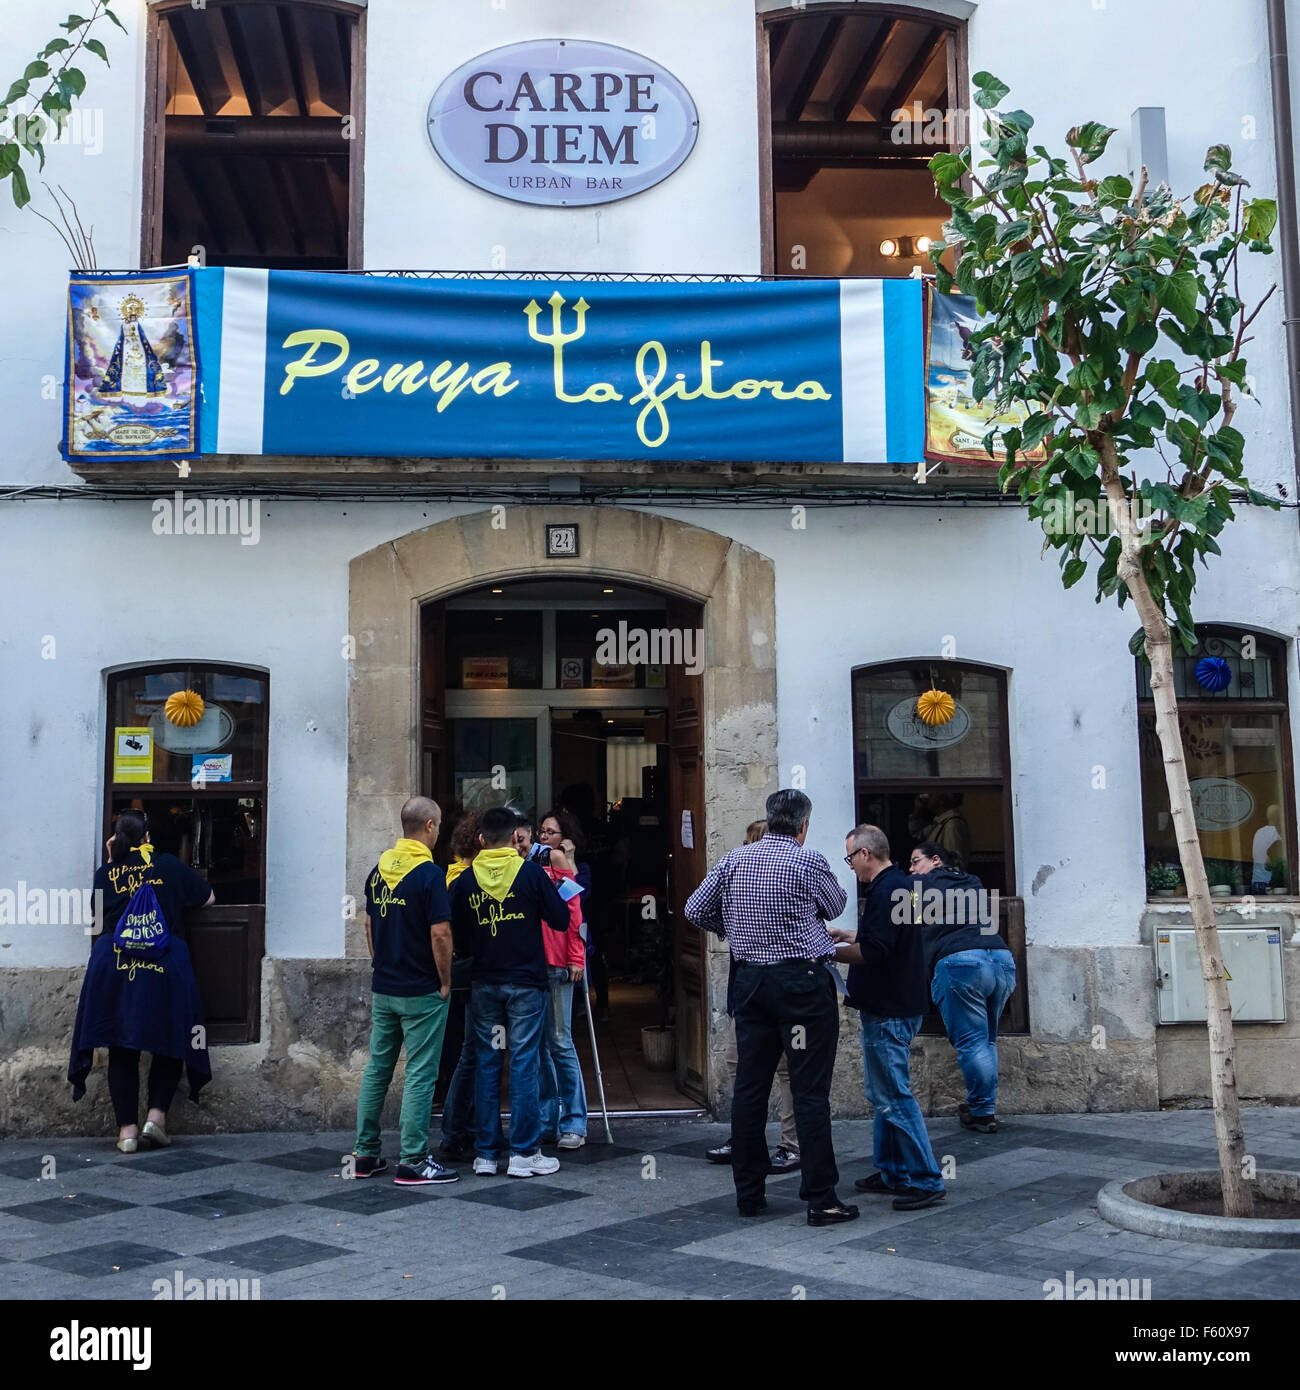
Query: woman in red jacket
{"points": [[562, 1094]]}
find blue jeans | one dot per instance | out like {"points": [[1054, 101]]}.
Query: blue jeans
{"points": [[504, 1016], [458, 1108], [562, 1095], [902, 1149], [971, 989]]}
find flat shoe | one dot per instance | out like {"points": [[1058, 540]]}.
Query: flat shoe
{"points": [[917, 1198], [875, 1183], [128, 1146], [751, 1208], [156, 1135]]}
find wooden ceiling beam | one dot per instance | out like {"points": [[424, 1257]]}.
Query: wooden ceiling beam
{"points": [[177, 21], [811, 75], [930, 45], [243, 61], [856, 84]]}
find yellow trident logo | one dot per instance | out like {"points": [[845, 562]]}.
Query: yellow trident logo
{"points": [[557, 337]]}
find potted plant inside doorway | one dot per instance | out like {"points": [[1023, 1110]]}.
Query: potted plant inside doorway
{"points": [[651, 960], [1220, 877]]}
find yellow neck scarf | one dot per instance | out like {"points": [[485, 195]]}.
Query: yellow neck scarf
{"points": [[396, 863], [495, 870]]}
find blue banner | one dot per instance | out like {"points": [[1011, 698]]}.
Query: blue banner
{"points": [[803, 371]]}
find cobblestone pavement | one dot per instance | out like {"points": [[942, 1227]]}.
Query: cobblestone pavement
{"points": [[644, 1218]]}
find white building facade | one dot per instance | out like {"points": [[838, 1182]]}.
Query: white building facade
{"points": [[823, 594]]}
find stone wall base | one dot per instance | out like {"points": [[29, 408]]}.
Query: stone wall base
{"points": [[306, 1071]]}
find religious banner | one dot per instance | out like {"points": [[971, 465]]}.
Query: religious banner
{"points": [[955, 423], [131, 385]]}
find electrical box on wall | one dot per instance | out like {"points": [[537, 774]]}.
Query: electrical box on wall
{"points": [[1252, 956]]}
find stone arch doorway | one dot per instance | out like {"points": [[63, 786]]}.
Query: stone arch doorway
{"points": [[734, 730]]}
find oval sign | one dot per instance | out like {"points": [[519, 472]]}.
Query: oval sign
{"points": [[905, 726], [562, 122], [1220, 803]]}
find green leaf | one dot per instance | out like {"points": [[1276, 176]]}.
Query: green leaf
{"points": [[73, 80], [1218, 159], [98, 49], [1114, 191], [1024, 264], [1140, 339], [1147, 414], [36, 69], [1137, 644], [1090, 140], [1191, 403], [19, 89], [1006, 178], [945, 167], [1035, 430], [988, 90], [115, 19], [1261, 218], [73, 21], [1179, 294], [55, 46], [20, 191], [1074, 571], [1012, 231], [1192, 510]]}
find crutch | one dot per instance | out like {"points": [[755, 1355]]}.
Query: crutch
{"points": [[595, 1055]]}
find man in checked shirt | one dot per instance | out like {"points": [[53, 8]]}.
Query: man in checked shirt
{"points": [[771, 901]]}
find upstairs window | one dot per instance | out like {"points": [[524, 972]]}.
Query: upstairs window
{"points": [[858, 100], [252, 139]]}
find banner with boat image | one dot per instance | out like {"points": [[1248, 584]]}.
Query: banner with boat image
{"points": [[955, 422]]}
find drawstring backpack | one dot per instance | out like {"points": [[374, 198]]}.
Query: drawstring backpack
{"points": [[141, 932]]}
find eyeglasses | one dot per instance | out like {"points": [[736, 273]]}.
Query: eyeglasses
{"points": [[849, 858]]}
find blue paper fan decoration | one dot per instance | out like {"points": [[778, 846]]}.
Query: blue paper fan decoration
{"points": [[1213, 673]]}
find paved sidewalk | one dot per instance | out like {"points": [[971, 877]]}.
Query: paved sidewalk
{"points": [[645, 1218]]}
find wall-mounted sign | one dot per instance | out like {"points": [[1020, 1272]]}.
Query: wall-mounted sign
{"points": [[215, 768], [571, 673], [212, 732], [562, 122], [562, 542], [485, 673], [905, 726], [132, 754], [1220, 803]]}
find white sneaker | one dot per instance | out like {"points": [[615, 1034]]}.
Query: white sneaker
{"points": [[531, 1165], [485, 1167], [572, 1141]]}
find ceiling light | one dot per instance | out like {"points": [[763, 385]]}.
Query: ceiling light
{"points": [[923, 244], [607, 591], [889, 247], [496, 591]]}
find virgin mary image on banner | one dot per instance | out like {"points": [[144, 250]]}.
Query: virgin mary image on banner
{"points": [[132, 383], [133, 369]]}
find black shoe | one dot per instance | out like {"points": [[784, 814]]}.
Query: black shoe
{"points": [[364, 1167], [874, 1184], [424, 1174], [458, 1148], [981, 1124], [785, 1160], [915, 1198], [752, 1208], [832, 1216], [722, 1154]]}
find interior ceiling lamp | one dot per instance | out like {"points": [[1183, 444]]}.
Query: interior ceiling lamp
{"points": [[905, 247]]}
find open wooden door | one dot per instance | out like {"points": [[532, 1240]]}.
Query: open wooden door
{"points": [[435, 754], [686, 860]]}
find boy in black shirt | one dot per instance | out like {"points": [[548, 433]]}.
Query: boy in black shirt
{"points": [[408, 932], [503, 904]]}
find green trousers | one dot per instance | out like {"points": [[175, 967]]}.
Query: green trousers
{"points": [[418, 1022]]}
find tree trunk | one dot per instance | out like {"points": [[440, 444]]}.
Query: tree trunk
{"points": [[1238, 1195]]}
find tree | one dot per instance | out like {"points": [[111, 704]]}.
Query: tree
{"points": [[1114, 316], [52, 67]]}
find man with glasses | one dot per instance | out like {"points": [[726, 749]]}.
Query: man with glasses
{"points": [[887, 985], [771, 901]]}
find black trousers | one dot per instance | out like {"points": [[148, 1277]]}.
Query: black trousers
{"points": [[124, 1083], [792, 1006]]}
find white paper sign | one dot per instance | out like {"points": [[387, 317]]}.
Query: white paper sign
{"points": [[688, 831]]}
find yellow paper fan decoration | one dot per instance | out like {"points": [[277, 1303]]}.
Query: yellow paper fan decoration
{"points": [[936, 707], [184, 708]]}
